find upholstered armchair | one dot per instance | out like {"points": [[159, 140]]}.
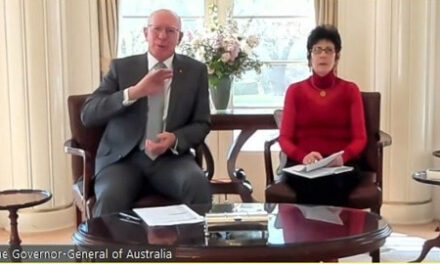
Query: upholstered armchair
{"points": [[83, 145], [369, 193]]}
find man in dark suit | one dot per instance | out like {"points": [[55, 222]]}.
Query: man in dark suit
{"points": [[155, 108]]}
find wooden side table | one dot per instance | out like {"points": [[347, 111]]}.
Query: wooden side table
{"points": [[12, 200], [420, 176]]}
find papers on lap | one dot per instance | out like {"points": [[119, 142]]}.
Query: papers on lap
{"points": [[318, 172], [320, 168]]}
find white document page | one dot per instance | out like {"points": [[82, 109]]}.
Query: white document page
{"points": [[317, 172], [323, 162], [168, 215]]}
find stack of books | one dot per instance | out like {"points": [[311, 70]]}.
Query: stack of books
{"points": [[238, 217]]}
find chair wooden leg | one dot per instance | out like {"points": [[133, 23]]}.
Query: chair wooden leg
{"points": [[78, 214], [375, 256]]}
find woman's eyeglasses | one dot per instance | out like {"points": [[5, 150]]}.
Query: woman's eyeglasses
{"points": [[318, 50]]}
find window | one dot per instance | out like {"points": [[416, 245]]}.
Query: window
{"points": [[283, 27], [133, 16]]}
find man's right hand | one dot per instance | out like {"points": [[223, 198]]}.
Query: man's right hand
{"points": [[152, 83]]}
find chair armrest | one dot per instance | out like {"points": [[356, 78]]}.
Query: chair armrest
{"points": [[204, 153], [73, 148], [384, 139], [268, 160]]}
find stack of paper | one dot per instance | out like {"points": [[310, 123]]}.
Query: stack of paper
{"points": [[236, 217], [238, 213], [168, 215]]}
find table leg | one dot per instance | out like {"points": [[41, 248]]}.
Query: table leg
{"points": [[234, 150], [427, 247], [14, 239]]}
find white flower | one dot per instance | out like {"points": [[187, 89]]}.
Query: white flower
{"points": [[200, 54], [253, 41], [226, 57], [246, 49]]}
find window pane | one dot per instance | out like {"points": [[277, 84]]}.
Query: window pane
{"points": [[281, 39], [274, 8], [257, 140], [144, 8], [268, 88], [283, 27], [133, 16]]}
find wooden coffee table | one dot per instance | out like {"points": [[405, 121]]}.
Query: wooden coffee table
{"points": [[293, 233]]}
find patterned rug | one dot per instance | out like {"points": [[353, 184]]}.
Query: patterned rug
{"points": [[399, 248]]}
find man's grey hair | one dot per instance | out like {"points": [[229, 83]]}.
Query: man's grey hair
{"points": [[179, 21]]}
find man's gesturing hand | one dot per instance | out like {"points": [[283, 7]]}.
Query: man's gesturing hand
{"points": [[152, 83]]}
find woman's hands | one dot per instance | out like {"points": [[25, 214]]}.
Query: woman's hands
{"points": [[314, 156]]}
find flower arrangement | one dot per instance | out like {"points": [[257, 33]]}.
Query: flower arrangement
{"points": [[225, 52]]}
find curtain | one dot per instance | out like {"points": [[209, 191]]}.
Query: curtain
{"points": [[326, 12], [108, 32]]}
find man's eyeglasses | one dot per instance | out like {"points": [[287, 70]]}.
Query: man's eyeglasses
{"points": [[318, 50], [168, 30]]}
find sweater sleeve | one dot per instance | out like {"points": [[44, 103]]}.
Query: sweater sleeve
{"points": [[358, 130], [287, 131]]}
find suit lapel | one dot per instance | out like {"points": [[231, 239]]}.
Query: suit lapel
{"points": [[175, 92]]}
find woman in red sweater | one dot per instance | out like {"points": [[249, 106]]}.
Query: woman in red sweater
{"points": [[322, 115]]}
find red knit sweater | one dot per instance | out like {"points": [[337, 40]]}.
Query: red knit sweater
{"points": [[323, 124]]}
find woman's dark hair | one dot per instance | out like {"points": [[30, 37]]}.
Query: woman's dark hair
{"points": [[321, 32]]}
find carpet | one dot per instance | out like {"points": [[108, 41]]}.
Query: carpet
{"points": [[399, 248]]}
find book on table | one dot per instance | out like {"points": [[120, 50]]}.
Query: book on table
{"points": [[320, 168]]}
